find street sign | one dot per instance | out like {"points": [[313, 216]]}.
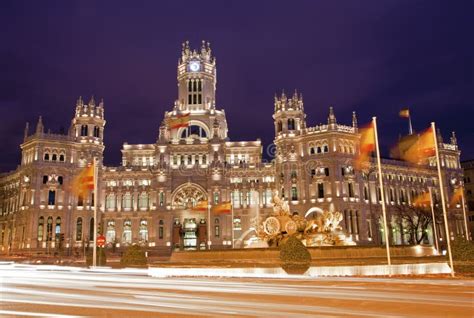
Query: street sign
{"points": [[100, 241]]}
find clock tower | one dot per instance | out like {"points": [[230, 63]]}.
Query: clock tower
{"points": [[196, 79]]}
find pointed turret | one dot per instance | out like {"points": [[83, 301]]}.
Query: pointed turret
{"points": [[354, 121], [332, 118], [27, 129], [454, 140], [39, 126]]}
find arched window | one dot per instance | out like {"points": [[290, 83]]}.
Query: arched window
{"points": [[46, 157], [61, 158], [312, 151], [84, 130], [57, 230], [96, 132], [79, 229], [110, 201], [193, 131], [291, 124], [51, 197], [45, 179], [161, 230], [366, 193], [143, 200], [190, 86], [127, 232], [60, 180], [325, 148], [143, 231], [80, 200], [91, 230], [49, 229], [40, 228], [54, 157], [162, 198], [110, 233], [294, 193], [127, 201], [279, 126]]}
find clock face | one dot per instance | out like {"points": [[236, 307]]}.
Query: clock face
{"points": [[194, 66]]}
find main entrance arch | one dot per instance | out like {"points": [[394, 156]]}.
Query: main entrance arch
{"points": [[187, 195]]}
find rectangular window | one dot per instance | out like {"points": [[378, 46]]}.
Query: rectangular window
{"points": [[294, 194], [216, 231], [326, 172], [160, 233], [351, 190], [162, 198], [320, 190]]}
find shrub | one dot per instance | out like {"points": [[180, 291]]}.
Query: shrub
{"points": [[462, 249], [134, 255], [101, 257], [294, 256]]}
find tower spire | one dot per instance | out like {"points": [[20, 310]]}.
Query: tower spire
{"points": [[331, 118], [27, 128], [39, 126]]}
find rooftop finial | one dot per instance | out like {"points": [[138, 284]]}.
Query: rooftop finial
{"points": [[39, 126], [27, 129], [92, 101], [331, 117], [454, 140], [354, 120]]}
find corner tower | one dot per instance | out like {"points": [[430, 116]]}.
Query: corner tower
{"points": [[289, 116], [196, 79]]}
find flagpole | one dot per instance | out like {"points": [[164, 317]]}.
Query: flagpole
{"points": [[208, 225], [232, 222], [94, 252], [410, 128], [468, 236], [382, 192], [443, 199], [434, 220]]}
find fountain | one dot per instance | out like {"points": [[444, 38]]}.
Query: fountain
{"points": [[324, 230]]}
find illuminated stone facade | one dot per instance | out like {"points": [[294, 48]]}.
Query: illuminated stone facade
{"points": [[468, 167], [149, 198]]}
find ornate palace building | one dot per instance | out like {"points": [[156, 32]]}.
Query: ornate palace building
{"points": [[149, 199]]}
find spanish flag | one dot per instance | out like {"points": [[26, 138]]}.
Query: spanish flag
{"points": [[180, 121], [422, 200], [223, 208], [84, 181], [456, 198], [404, 113], [421, 149], [200, 206], [367, 145]]}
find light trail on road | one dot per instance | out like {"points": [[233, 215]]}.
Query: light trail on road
{"points": [[46, 291]]}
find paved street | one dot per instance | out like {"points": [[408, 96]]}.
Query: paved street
{"points": [[42, 291]]}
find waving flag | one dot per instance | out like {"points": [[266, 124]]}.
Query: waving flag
{"points": [[223, 208], [201, 206], [457, 196], [367, 145], [84, 181], [422, 200], [404, 113], [179, 121], [421, 149]]}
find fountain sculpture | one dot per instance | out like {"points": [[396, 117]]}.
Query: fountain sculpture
{"points": [[324, 230]]}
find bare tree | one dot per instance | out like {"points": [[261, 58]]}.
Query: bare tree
{"points": [[415, 220]]}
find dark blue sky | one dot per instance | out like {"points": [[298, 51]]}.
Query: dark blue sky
{"points": [[374, 57]]}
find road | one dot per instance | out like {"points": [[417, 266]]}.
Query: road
{"points": [[42, 291]]}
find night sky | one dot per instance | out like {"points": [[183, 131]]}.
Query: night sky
{"points": [[374, 57]]}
